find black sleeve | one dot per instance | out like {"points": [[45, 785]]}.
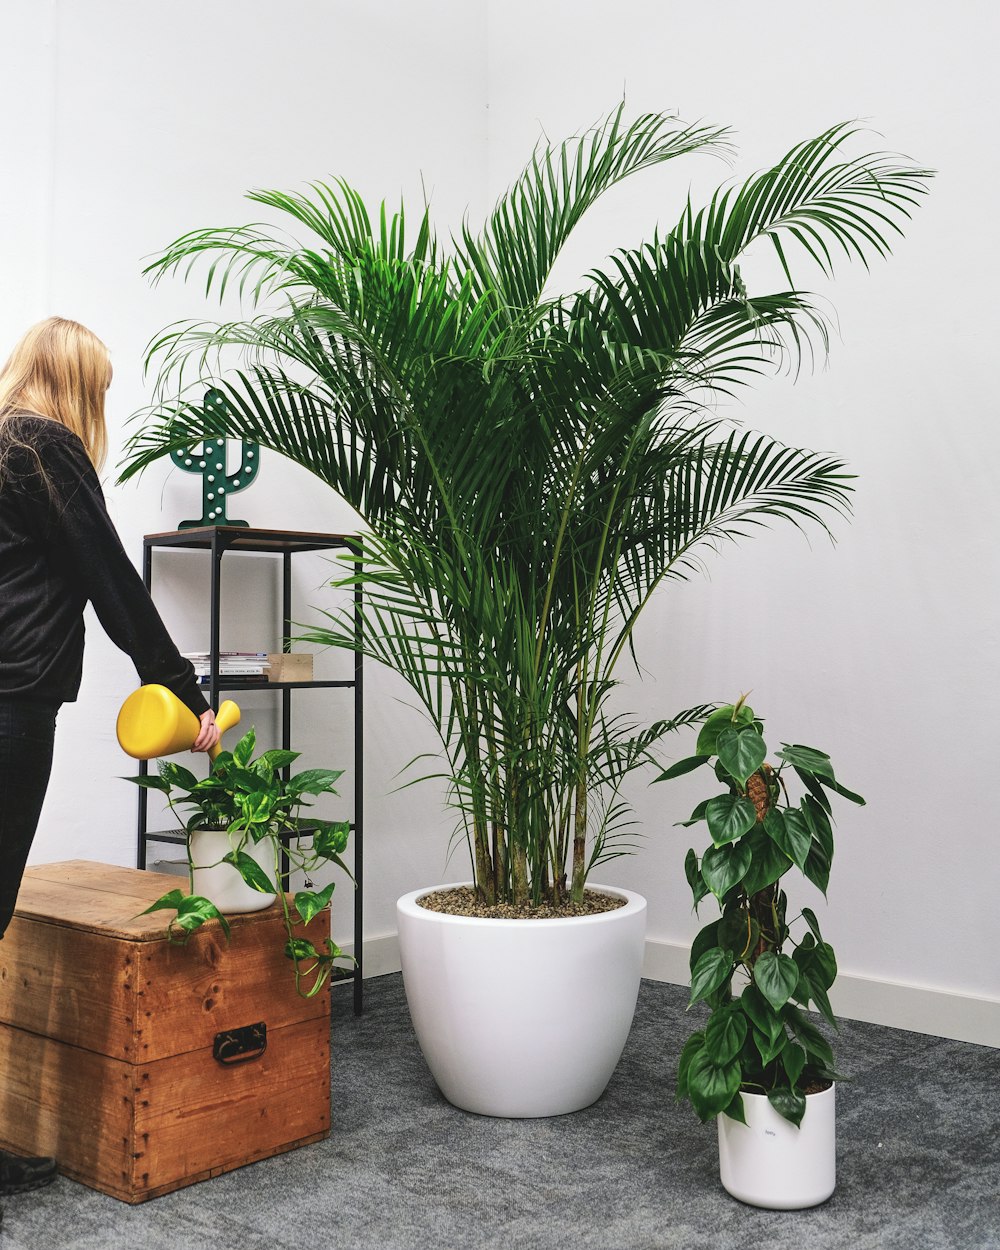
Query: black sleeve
{"points": [[97, 562]]}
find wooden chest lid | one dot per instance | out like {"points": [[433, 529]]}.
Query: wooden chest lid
{"points": [[102, 898]]}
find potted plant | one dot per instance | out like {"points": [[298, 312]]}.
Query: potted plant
{"points": [[531, 464], [759, 1064], [240, 820]]}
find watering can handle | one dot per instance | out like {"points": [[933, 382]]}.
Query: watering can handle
{"points": [[154, 722], [227, 717]]}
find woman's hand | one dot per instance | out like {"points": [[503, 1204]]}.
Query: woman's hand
{"points": [[208, 735]]}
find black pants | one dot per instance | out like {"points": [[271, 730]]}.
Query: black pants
{"points": [[27, 730]]}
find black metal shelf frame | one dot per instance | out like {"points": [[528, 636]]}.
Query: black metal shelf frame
{"points": [[218, 540]]}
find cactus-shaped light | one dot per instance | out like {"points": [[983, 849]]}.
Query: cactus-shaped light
{"points": [[210, 462]]}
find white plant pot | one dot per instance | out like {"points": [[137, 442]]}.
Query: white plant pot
{"points": [[768, 1162], [221, 882], [522, 1018]]}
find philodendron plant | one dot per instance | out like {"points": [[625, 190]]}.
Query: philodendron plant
{"points": [[254, 804], [759, 1037]]}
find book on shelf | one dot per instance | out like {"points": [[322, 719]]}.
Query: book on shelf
{"points": [[243, 664]]}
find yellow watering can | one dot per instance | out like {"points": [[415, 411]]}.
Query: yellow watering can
{"points": [[154, 722]]}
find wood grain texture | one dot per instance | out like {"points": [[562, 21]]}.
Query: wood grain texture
{"points": [[106, 1037]]}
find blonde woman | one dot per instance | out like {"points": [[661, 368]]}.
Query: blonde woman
{"points": [[59, 550]]}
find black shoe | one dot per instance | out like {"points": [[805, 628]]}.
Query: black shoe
{"points": [[19, 1173]]}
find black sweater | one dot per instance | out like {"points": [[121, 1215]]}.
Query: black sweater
{"points": [[59, 549]]}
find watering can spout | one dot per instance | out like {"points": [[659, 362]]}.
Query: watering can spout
{"points": [[154, 722]]}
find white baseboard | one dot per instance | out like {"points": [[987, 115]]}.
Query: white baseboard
{"points": [[381, 955], [959, 1016], [962, 1017]]}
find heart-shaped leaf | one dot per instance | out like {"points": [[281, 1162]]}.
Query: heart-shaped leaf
{"points": [[788, 1103], [713, 969], [776, 976], [724, 866], [725, 1034], [711, 1088], [729, 817], [308, 903], [741, 752]]}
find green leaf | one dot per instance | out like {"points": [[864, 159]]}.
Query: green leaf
{"points": [[697, 815], [737, 932], [809, 916], [243, 750], [251, 872], [788, 1103], [776, 976], [816, 791], [711, 1088], [769, 1048], [725, 1033], [741, 752], [723, 866], [309, 904], [793, 1058], [722, 718], [694, 878], [272, 761], [705, 940], [713, 969], [760, 1012], [818, 970], [807, 758], [331, 838], [693, 1044], [808, 1034], [177, 775], [314, 781], [789, 832], [768, 864], [729, 817], [192, 911], [843, 791], [682, 766], [816, 961], [817, 867], [166, 902], [735, 1110], [300, 948], [149, 781]]}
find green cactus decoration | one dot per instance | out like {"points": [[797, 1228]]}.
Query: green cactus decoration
{"points": [[210, 462]]}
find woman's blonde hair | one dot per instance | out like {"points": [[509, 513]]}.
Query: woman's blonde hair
{"points": [[60, 370]]}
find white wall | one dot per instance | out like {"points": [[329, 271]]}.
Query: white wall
{"points": [[883, 650], [123, 127]]}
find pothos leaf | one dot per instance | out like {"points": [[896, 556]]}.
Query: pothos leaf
{"points": [[308, 903]]}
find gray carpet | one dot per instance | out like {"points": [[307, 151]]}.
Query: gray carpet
{"points": [[918, 1161]]}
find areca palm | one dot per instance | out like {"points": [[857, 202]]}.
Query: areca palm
{"points": [[531, 465]]}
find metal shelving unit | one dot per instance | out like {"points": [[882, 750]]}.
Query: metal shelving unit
{"points": [[284, 544]]}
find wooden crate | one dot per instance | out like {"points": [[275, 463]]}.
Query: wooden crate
{"points": [[107, 1034]]}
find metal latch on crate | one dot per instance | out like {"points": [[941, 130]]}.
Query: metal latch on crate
{"points": [[240, 1045]]}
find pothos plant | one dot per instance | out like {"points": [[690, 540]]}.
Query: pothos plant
{"points": [[758, 1037], [254, 804]]}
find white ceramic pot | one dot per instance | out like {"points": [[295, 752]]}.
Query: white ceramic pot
{"points": [[768, 1162], [522, 1018], [221, 882]]}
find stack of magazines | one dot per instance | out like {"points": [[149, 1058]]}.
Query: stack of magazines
{"points": [[244, 666]]}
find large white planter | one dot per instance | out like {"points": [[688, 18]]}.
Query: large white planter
{"points": [[221, 882], [771, 1163], [522, 1018]]}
